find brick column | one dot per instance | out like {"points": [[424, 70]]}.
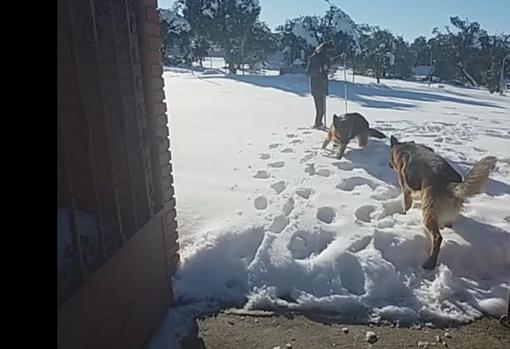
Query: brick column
{"points": [[156, 111]]}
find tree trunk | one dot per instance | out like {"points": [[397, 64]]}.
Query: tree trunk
{"points": [[232, 68], [469, 78]]}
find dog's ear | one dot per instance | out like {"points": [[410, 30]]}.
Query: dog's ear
{"points": [[393, 141], [335, 116]]}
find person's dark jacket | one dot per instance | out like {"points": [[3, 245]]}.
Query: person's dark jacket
{"points": [[318, 68]]}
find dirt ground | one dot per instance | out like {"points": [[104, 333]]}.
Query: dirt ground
{"points": [[298, 331]]}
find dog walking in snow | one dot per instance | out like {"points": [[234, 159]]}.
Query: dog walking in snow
{"points": [[347, 127], [441, 188]]}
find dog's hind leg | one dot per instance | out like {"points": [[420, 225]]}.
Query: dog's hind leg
{"points": [[362, 139], [432, 227]]}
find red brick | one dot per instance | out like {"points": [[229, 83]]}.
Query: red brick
{"points": [[171, 239], [159, 96], [151, 3], [159, 108], [154, 43], [153, 28], [164, 144], [161, 120], [172, 227], [173, 263], [170, 215], [164, 158], [167, 182], [168, 197], [157, 83], [151, 14], [155, 57], [174, 249], [156, 70]]}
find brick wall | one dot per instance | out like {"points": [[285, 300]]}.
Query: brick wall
{"points": [[161, 135]]}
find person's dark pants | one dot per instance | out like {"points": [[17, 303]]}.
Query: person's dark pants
{"points": [[320, 109]]}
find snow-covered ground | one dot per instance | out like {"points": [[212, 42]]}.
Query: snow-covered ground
{"points": [[268, 220]]}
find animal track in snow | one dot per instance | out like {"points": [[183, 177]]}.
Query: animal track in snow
{"points": [[324, 172], [274, 145], [363, 213], [348, 184], [264, 156], [279, 223], [304, 244], [277, 164], [343, 165], [291, 135], [309, 156], [326, 214], [260, 203], [360, 244], [287, 150], [310, 169], [304, 192], [261, 174], [288, 207], [278, 186]]}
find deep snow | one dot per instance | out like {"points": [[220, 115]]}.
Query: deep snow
{"points": [[267, 220]]}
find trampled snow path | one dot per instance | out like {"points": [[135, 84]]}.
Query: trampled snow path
{"points": [[267, 219]]}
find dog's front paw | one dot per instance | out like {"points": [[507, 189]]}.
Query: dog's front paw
{"points": [[429, 264]]}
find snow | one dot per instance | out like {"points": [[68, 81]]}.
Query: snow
{"points": [[314, 233], [209, 8], [248, 6], [305, 29], [298, 61], [344, 24], [391, 58], [176, 24]]}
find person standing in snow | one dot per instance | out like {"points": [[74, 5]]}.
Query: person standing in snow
{"points": [[319, 64]]}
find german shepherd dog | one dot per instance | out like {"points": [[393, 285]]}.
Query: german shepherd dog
{"points": [[347, 127], [442, 189]]}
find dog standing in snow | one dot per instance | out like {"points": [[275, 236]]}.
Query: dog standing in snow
{"points": [[441, 188], [347, 127]]}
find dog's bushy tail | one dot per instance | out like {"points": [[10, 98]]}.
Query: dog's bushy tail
{"points": [[474, 181], [372, 132]]}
